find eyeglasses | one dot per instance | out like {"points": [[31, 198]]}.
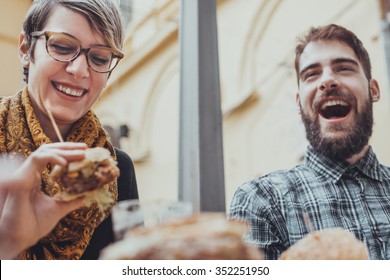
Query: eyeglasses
{"points": [[64, 48]]}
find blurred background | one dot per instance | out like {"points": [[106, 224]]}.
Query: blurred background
{"points": [[262, 130]]}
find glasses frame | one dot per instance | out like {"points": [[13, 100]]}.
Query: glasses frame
{"points": [[115, 52]]}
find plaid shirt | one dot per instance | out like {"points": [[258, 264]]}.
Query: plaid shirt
{"points": [[332, 193]]}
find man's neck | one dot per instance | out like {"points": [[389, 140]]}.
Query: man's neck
{"points": [[356, 157]]}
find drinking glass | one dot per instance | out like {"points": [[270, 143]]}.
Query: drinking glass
{"points": [[130, 214]]}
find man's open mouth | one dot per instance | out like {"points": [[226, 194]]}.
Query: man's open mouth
{"points": [[335, 109]]}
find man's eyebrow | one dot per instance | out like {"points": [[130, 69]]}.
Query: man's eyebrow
{"points": [[345, 60], [334, 61], [313, 65]]}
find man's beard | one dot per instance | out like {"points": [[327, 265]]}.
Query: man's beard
{"points": [[344, 147]]}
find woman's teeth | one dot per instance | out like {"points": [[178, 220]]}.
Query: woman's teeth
{"points": [[69, 91]]}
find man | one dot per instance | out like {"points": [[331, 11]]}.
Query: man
{"points": [[340, 183]]}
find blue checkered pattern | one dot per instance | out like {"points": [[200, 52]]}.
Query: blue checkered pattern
{"points": [[330, 193]]}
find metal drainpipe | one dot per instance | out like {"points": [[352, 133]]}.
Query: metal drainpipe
{"points": [[201, 167]]}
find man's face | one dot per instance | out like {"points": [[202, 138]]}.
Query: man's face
{"points": [[335, 99]]}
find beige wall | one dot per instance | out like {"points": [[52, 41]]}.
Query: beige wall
{"points": [[11, 17], [262, 128]]}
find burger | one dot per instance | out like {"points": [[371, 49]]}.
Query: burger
{"points": [[205, 236], [87, 177], [327, 244]]}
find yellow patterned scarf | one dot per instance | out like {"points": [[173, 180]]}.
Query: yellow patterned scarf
{"points": [[20, 135]]}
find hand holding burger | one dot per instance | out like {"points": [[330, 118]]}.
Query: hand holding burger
{"points": [[26, 213], [88, 177]]}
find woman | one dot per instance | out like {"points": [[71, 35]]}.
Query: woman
{"points": [[68, 50]]}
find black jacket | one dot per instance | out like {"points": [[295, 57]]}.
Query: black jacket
{"points": [[127, 189]]}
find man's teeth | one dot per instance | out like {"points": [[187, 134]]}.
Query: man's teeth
{"points": [[333, 103], [69, 91]]}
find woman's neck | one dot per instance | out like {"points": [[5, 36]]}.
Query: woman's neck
{"points": [[47, 125], [49, 130]]}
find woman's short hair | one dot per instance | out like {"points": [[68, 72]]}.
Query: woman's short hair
{"points": [[103, 16]]}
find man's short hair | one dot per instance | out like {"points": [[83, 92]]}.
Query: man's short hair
{"points": [[333, 32]]}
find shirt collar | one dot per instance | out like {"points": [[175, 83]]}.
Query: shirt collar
{"points": [[333, 169], [369, 165]]}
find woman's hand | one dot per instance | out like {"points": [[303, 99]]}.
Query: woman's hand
{"points": [[26, 213]]}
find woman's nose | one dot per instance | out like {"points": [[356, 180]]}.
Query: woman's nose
{"points": [[79, 67]]}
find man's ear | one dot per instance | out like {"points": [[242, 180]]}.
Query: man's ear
{"points": [[374, 90], [297, 103], [24, 51]]}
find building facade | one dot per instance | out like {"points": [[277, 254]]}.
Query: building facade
{"points": [[262, 130]]}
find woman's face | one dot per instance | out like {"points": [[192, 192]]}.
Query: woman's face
{"points": [[67, 89]]}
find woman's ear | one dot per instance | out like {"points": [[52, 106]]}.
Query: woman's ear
{"points": [[24, 51], [374, 90]]}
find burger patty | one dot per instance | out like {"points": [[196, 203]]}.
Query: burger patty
{"points": [[91, 177]]}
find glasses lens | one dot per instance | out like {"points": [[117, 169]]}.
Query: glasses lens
{"points": [[101, 59], [62, 48]]}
